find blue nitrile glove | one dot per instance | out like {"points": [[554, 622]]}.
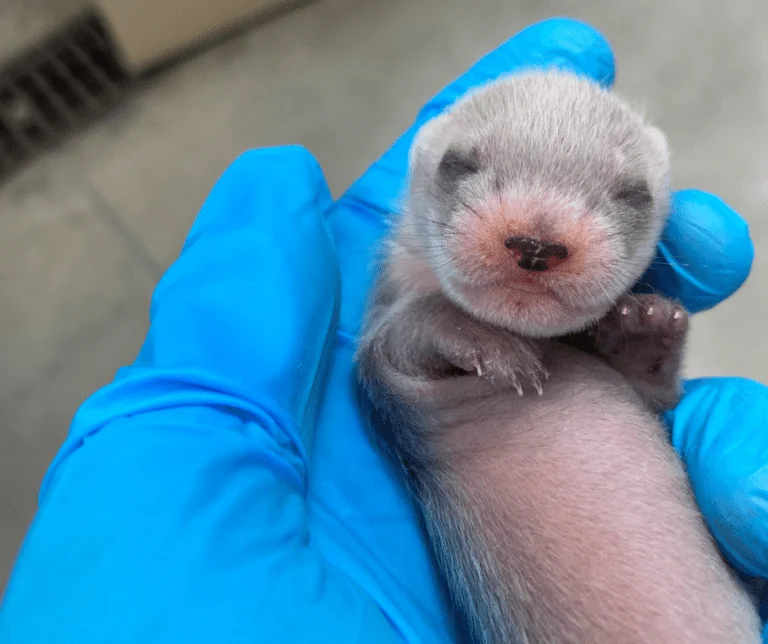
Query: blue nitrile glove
{"points": [[222, 489]]}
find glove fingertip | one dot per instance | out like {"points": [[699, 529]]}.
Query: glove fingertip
{"points": [[705, 254], [557, 43], [288, 172], [572, 43]]}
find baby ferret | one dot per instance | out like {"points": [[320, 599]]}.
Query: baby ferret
{"points": [[519, 378]]}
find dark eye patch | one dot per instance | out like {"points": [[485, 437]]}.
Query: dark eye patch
{"points": [[458, 164], [634, 194]]}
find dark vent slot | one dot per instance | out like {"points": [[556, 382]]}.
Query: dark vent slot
{"points": [[92, 43], [61, 85], [67, 81], [9, 147], [79, 71], [46, 106]]}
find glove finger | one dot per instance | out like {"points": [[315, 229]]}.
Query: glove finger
{"points": [[257, 280], [705, 253], [719, 430], [357, 219], [242, 319]]}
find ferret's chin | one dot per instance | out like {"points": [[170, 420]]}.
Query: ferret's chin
{"points": [[531, 312]]}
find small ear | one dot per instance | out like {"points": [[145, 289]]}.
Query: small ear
{"points": [[423, 144], [659, 142], [661, 172]]}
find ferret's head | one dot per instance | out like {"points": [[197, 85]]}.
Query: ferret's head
{"points": [[539, 200]]}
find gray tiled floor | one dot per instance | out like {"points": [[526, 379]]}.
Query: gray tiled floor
{"points": [[85, 232]]}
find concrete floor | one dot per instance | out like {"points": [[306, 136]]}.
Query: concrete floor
{"points": [[86, 232]]}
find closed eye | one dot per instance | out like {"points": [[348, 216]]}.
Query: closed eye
{"points": [[634, 194], [458, 164]]}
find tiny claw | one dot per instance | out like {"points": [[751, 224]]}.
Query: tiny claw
{"points": [[518, 387], [649, 311], [536, 381], [479, 368], [624, 310], [677, 314]]}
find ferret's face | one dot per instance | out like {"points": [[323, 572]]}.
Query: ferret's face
{"points": [[539, 200]]}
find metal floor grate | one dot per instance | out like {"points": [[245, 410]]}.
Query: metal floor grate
{"points": [[65, 82]]}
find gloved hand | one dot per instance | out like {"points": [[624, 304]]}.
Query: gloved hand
{"points": [[222, 488]]}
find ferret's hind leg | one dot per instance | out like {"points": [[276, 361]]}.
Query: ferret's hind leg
{"points": [[643, 338]]}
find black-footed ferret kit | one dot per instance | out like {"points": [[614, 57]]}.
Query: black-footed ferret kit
{"points": [[520, 379]]}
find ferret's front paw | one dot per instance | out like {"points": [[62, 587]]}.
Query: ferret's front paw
{"points": [[498, 355], [643, 338], [647, 328]]}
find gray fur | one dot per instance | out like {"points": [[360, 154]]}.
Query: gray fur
{"points": [[519, 404]]}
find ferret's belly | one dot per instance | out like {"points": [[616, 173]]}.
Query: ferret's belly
{"points": [[586, 512]]}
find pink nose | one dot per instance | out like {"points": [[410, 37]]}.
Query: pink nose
{"points": [[534, 254]]}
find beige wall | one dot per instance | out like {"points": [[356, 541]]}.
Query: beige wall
{"points": [[148, 31]]}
